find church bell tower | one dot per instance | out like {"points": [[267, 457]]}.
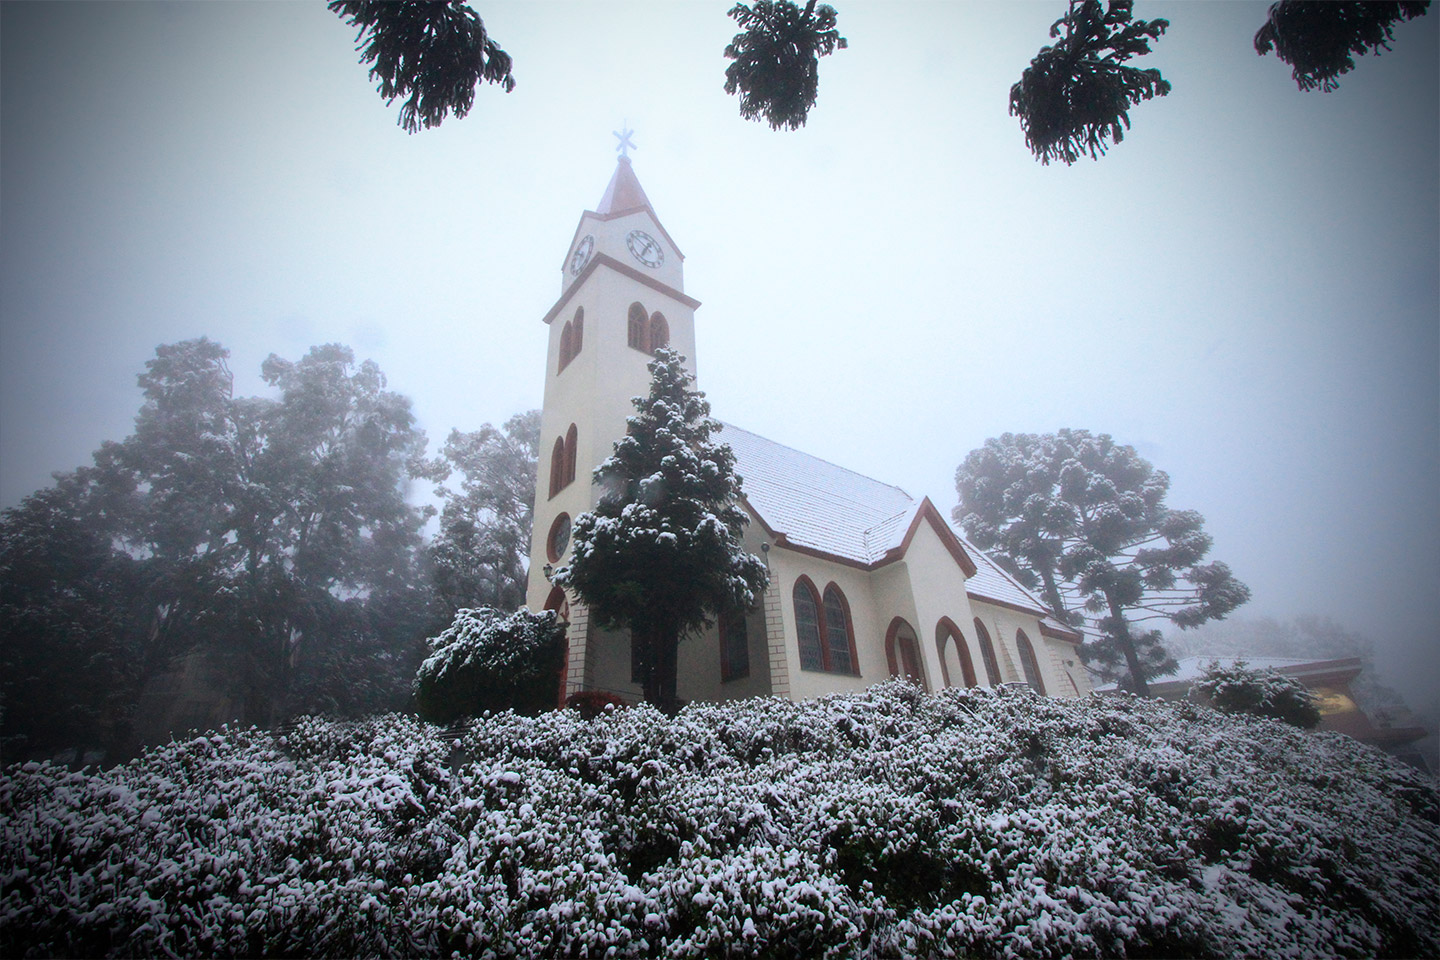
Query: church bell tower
{"points": [[622, 295]]}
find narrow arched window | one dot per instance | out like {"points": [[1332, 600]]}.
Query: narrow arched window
{"points": [[1028, 663], [659, 332], [987, 653], [807, 625], [567, 345], [734, 646], [638, 328], [839, 640], [571, 437], [902, 652], [577, 336], [947, 638], [557, 466]]}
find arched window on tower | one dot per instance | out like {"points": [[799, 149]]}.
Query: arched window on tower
{"points": [[577, 337], [987, 653], [950, 644], [902, 652], [562, 461], [659, 332], [638, 328], [571, 437], [1028, 663], [567, 349], [557, 466]]}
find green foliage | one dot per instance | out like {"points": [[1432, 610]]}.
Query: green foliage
{"points": [[661, 553], [489, 660], [479, 556], [1084, 520], [1259, 693], [431, 53], [272, 530], [777, 59], [1319, 38], [1077, 94]]}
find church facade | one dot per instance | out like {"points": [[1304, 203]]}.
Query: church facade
{"points": [[866, 582]]}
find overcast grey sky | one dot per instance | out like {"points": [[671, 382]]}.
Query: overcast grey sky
{"points": [[1245, 289]]}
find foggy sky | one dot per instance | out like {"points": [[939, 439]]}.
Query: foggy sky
{"points": [[1245, 289]]}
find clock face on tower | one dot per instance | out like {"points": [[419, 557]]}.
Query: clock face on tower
{"points": [[581, 256], [645, 248]]}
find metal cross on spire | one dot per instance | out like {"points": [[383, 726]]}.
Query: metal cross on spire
{"points": [[625, 145]]}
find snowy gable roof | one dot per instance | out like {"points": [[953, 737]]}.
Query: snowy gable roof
{"points": [[818, 505], [812, 504]]}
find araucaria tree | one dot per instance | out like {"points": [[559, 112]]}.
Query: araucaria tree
{"points": [[661, 553], [1083, 519]]}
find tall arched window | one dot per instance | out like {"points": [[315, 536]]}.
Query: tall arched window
{"points": [[577, 336], [734, 646], [948, 638], [562, 461], [902, 652], [1028, 663], [557, 466], [827, 641], [987, 653], [571, 437], [567, 345], [659, 332], [638, 328], [839, 634], [558, 602]]}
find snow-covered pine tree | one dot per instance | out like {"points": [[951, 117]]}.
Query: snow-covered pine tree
{"points": [[661, 554], [1084, 519]]}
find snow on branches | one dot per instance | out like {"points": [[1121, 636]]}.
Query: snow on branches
{"points": [[969, 823]]}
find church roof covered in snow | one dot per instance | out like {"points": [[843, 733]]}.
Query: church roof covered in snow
{"points": [[816, 506]]}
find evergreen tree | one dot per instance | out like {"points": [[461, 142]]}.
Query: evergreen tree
{"points": [[1084, 520], [777, 59], [431, 53], [661, 553], [1319, 38], [1077, 94]]}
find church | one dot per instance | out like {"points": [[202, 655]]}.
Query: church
{"points": [[866, 582]]}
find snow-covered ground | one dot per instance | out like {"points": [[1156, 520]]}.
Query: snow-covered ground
{"points": [[968, 823]]}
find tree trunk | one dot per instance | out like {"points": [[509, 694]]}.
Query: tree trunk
{"points": [[1127, 644], [1052, 593]]}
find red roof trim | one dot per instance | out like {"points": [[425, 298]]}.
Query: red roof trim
{"points": [[624, 270]]}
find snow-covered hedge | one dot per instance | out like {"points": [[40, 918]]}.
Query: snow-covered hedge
{"points": [[489, 659], [970, 823], [1238, 688]]}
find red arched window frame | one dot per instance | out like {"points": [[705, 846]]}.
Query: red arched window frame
{"points": [[987, 653], [902, 652], [638, 328], [571, 440], [557, 466], [824, 629], [947, 631], [577, 335], [659, 332], [1029, 664]]}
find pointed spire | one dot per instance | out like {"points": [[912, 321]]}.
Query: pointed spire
{"points": [[624, 192]]}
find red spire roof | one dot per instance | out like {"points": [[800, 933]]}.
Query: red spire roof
{"points": [[624, 192]]}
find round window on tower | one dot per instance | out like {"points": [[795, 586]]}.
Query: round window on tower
{"points": [[559, 538]]}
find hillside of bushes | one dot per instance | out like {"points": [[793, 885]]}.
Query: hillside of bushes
{"points": [[968, 823]]}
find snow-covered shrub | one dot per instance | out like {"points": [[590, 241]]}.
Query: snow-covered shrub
{"points": [[1261, 693], [490, 660], [965, 824]]}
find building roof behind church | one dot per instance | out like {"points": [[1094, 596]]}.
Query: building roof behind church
{"points": [[818, 505], [624, 192]]}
